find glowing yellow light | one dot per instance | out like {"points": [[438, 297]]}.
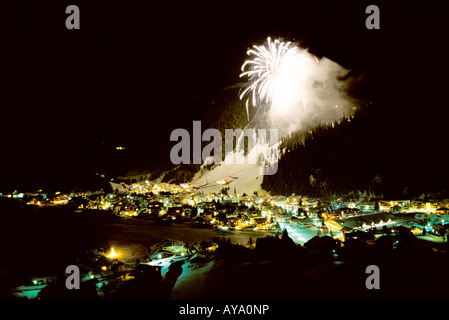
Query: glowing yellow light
{"points": [[112, 254]]}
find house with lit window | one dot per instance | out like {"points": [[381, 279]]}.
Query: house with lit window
{"points": [[154, 208], [167, 249], [175, 211], [146, 272], [367, 206], [385, 206]]}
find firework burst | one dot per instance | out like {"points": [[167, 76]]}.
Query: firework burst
{"points": [[276, 73]]}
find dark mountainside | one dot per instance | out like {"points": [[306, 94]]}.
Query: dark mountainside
{"points": [[361, 154]]}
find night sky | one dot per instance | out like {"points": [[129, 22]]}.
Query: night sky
{"points": [[68, 94]]}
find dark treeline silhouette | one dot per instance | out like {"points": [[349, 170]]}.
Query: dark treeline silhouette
{"points": [[371, 152]]}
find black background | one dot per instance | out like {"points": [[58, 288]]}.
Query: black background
{"points": [[66, 94]]}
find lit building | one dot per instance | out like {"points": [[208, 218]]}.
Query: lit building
{"points": [[167, 249]]}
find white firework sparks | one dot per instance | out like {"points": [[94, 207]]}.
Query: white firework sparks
{"points": [[277, 75]]}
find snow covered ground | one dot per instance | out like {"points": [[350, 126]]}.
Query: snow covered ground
{"points": [[299, 234], [245, 176], [192, 280], [245, 179]]}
